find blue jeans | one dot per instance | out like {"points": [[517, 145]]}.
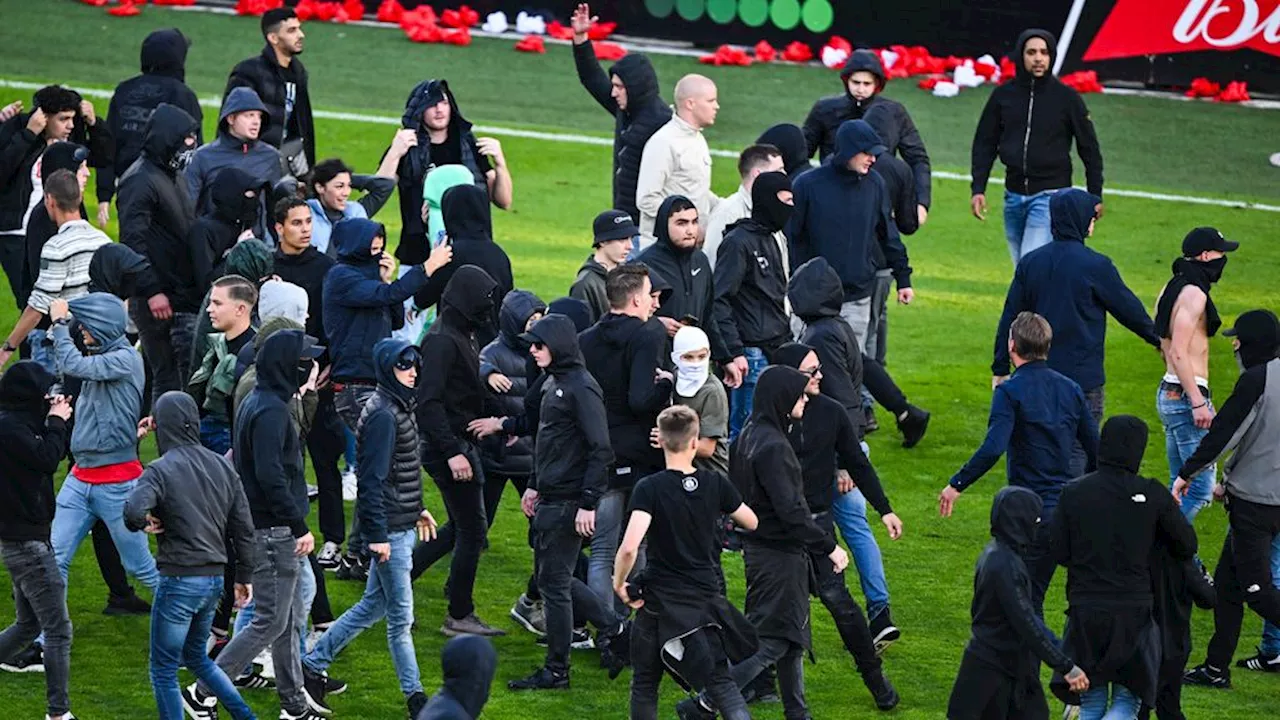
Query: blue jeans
{"points": [[1093, 703], [215, 434], [850, 513], [41, 353], [181, 616], [388, 593], [1026, 222], [740, 397], [1181, 438], [1271, 633], [80, 505]]}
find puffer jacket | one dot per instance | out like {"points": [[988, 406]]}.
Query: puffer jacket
{"points": [[509, 356], [263, 74], [390, 477]]}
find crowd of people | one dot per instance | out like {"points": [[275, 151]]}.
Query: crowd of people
{"points": [[705, 385]]}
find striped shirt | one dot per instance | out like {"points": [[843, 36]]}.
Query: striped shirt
{"points": [[64, 264]]}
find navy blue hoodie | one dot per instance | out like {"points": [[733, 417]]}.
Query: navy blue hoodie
{"points": [[1074, 288], [468, 663], [358, 306], [845, 217]]}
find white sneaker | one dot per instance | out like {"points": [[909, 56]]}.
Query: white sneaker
{"points": [[67, 716], [329, 556], [268, 667], [1275, 159], [349, 486]]}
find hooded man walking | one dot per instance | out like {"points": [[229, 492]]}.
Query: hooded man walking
{"points": [[629, 92], [1030, 124], [240, 127]]}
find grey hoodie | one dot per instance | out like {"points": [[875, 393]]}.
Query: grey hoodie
{"points": [[196, 496], [256, 158], [110, 400]]}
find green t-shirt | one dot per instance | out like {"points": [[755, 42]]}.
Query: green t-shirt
{"points": [[712, 405]]}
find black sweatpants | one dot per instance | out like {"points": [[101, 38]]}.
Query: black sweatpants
{"points": [[1243, 575]]}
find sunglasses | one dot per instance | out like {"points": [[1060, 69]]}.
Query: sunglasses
{"points": [[538, 346], [817, 370], [408, 359]]}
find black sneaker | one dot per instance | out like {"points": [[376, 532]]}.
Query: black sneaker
{"points": [[581, 640], [872, 424], [129, 604], [615, 650], [1208, 676], [763, 689], [313, 686], [416, 702], [1261, 663], [913, 426], [197, 705], [329, 557], [692, 709], [883, 632], [332, 685], [30, 660], [882, 691], [352, 567], [543, 678], [254, 681]]}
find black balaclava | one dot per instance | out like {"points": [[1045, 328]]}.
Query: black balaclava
{"points": [[1259, 335], [766, 208], [1123, 442]]}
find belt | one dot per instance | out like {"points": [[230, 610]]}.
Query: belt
{"points": [[1173, 386], [339, 386]]}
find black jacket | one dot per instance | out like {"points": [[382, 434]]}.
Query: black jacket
{"points": [[467, 220], [897, 176], [450, 393], [750, 289], [266, 445], [689, 272], [19, 150], [32, 446], [1037, 157], [645, 113], [589, 286], [117, 269], [622, 352], [164, 59], [307, 270], [468, 663], [196, 496], [265, 76], [766, 471], [824, 120], [156, 213], [571, 450], [214, 234], [816, 296], [509, 355], [1009, 633], [389, 462], [824, 440]]}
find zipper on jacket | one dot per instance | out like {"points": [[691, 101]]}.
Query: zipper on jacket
{"points": [[1026, 141]]}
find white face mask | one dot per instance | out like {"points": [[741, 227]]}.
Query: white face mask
{"points": [[690, 376]]}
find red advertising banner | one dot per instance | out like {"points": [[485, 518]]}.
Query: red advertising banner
{"points": [[1162, 27]]}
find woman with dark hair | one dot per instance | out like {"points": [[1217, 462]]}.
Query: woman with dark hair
{"points": [[329, 188]]}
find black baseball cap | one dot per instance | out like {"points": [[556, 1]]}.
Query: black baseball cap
{"points": [[1206, 238], [613, 225], [1256, 327]]}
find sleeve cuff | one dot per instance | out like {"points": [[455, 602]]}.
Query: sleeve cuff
{"points": [[588, 502], [299, 528]]}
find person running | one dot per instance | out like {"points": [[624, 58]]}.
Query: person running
{"points": [[192, 501], [999, 677], [1030, 124], [679, 597], [33, 442], [1186, 318], [390, 503]]}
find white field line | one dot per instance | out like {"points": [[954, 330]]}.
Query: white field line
{"points": [[214, 102]]}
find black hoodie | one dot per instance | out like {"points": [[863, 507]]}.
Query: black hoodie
{"points": [[622, 352], [766, 471], [572, 454], [1030, 123], [195, 494], [750, 279], [263, 74], [156, 213], [164, 59], [470, 229], [32, 445], [823, 122], [450, 392], [459, 148], [645, 114], [896, 173], [468, 663], [816, 296], [266, 446], [117, 269], [214, 234], [689, 272], [790, 141], [509, 355]]}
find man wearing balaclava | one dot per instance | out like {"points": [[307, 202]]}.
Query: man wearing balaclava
{"points": [[696, 388], [1185, 320], [1249, 426], [751, 286]]}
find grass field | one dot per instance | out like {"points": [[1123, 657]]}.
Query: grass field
{"points": [[940, 348]]}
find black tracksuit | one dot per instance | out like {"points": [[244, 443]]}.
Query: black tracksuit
{"points": [[262, 73], [622, 352], [1103, 531], [164, 58], [1030, 124], [645, 114], [751, 289], [32, 446], [999, 677]]}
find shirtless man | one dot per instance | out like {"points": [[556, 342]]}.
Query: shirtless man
{"points": [[1185, 320]]}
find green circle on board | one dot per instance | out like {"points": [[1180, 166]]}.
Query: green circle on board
{"points": [[690, 10], [817, 15], [659, 8], [753, 13], [722, 11], [785, 13]]}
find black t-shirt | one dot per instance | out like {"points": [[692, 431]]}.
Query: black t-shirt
{"points": [[450, 153], [684, 554], [235, 344]]}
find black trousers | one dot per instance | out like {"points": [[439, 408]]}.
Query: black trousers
{"points": [[464, 535], [558, 547], [647, 669], [104, 549], [850, 622], [1243, 575], [982, 692], [325, 444], [882, 387]]}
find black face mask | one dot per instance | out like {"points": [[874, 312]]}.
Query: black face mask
{"points": [[1213, 268], [766, 208], [249, 212], [181, 158]]}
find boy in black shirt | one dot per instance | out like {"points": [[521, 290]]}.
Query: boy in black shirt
{"points": [[679, 597]]}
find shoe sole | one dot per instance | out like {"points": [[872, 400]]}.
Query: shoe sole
{"points": [[887, 637], [1212, 686], [23, 669], [1259, 667], [524, 623], [316, 707]]}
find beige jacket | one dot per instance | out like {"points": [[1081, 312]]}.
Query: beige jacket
{"points": [[676, 161]]}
